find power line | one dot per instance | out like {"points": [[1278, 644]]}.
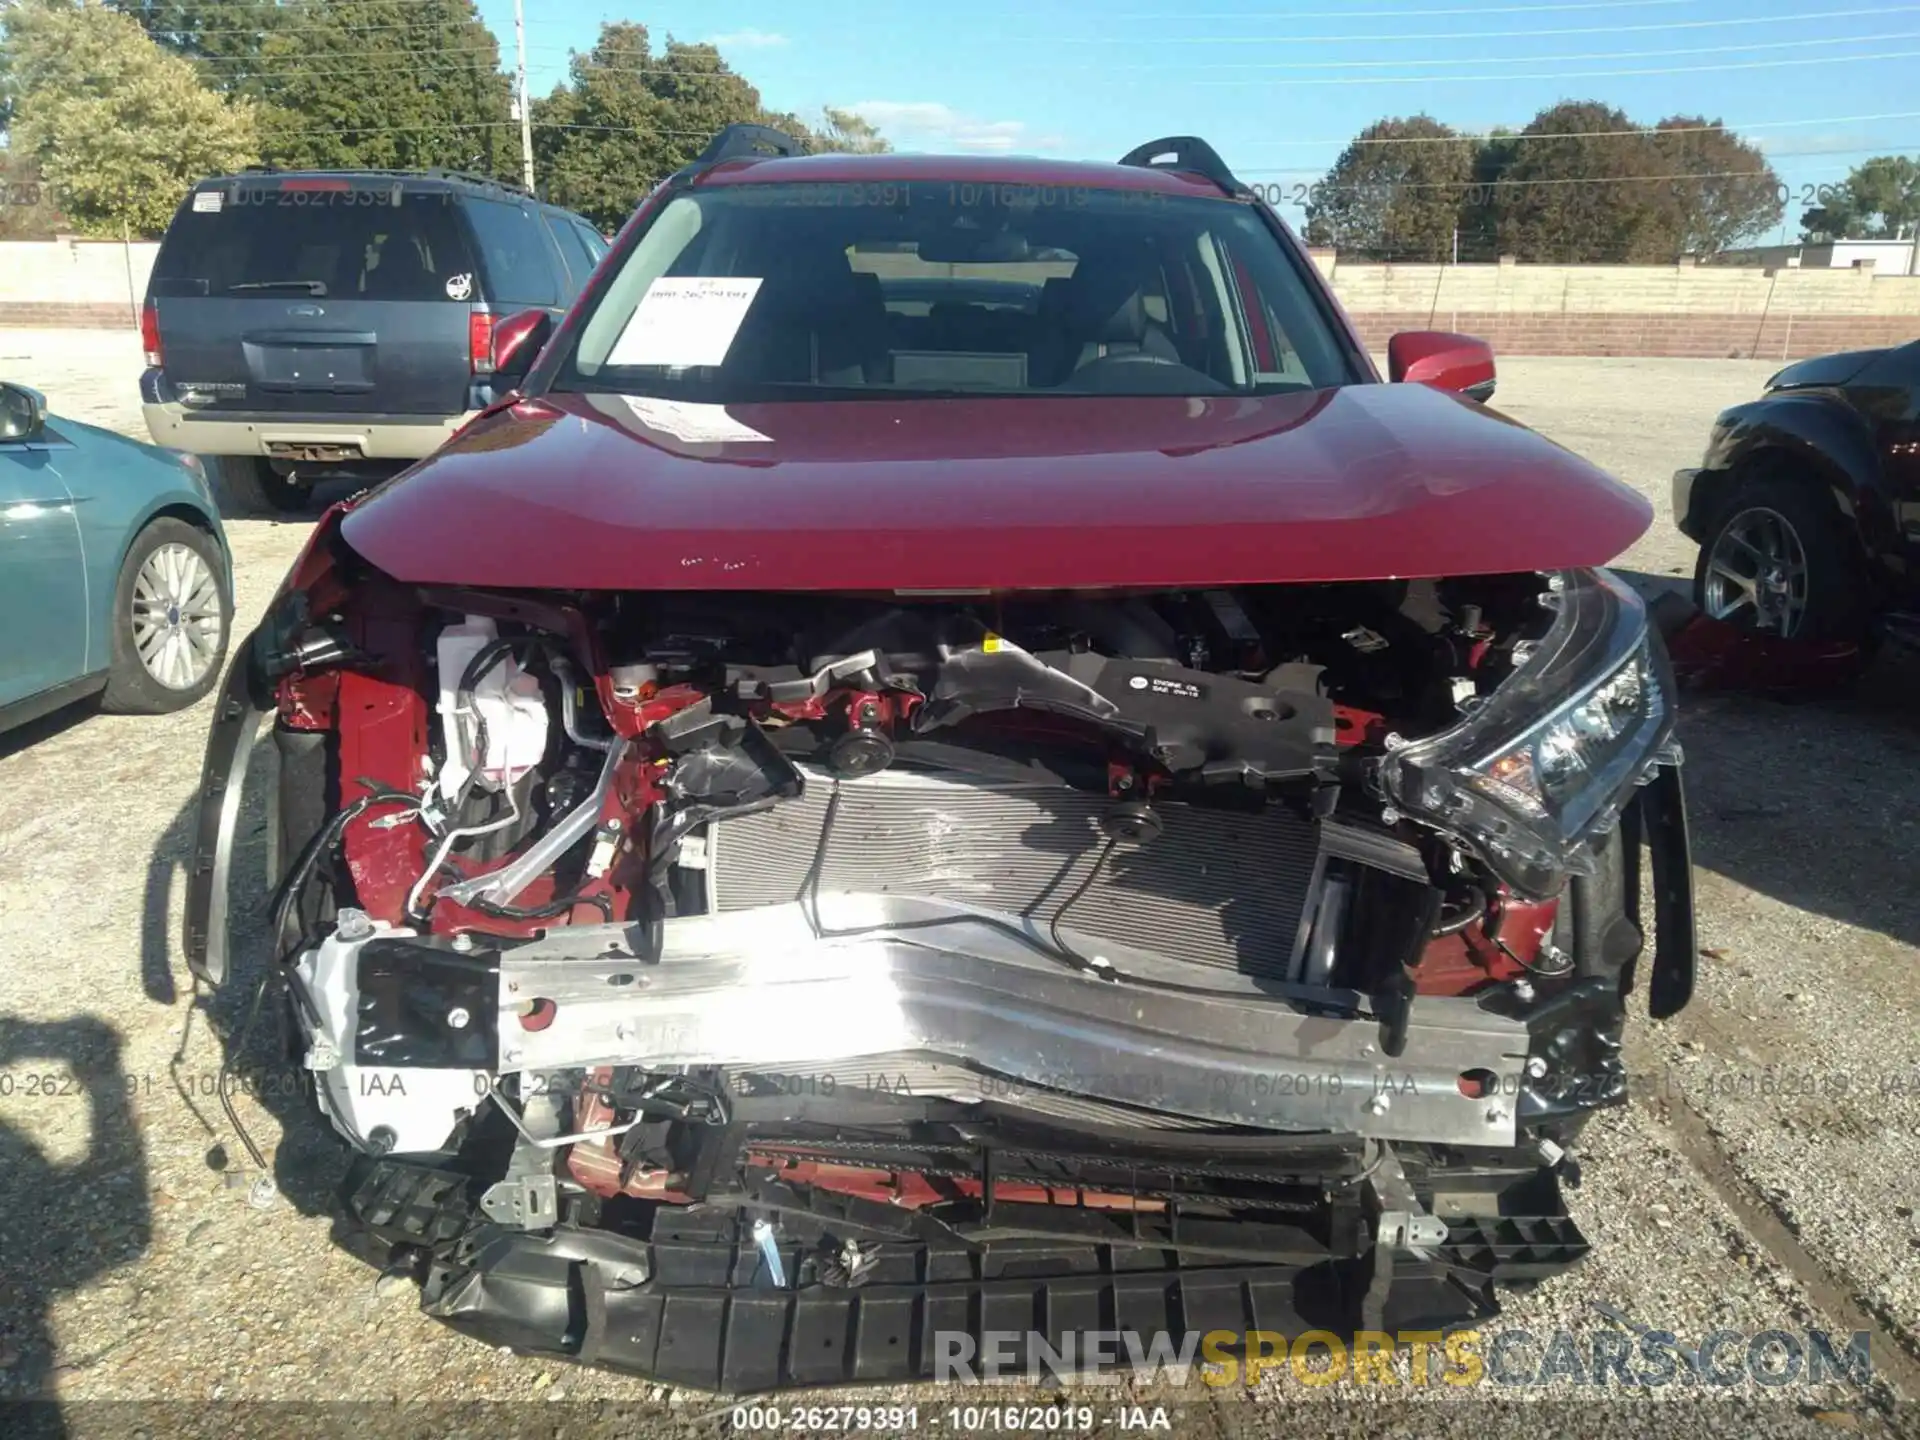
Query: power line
{"points": [[1541, 59], [1564, 76], [1718, 127], [1428, 37]]}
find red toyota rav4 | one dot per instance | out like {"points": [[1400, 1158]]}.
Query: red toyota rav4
{"points": [[953, 759]]}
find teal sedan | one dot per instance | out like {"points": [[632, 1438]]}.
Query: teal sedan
{"points": [[115, 577]]}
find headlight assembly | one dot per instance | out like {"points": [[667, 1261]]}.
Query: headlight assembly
{"points": [[1550, 756]]}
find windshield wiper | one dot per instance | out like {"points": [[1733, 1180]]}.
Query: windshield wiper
{"points": [[312, 287]]}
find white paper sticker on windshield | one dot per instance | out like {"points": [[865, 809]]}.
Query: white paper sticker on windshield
{"points": [[204, 200], [690, 421], [685, 320]]}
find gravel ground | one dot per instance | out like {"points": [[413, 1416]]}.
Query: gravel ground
{"points": [[1764, 1178]]}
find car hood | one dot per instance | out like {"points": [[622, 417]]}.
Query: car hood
{"points": [[1362, 482]]}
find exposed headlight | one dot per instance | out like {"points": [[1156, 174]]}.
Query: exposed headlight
{"points": [[1550, 757]]}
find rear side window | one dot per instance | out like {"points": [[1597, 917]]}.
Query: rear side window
{"points": [[579, 259], [595, 242], [346, 242], [513, 252]]}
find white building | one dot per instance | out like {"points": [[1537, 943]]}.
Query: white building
{"points": [[1889, 257]]}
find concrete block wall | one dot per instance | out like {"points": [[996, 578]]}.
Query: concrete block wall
{"points": [[93, 283], [1708, 312]]}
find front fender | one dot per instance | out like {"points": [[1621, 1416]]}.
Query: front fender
{"points": [[1814, 434], [245, 699]]}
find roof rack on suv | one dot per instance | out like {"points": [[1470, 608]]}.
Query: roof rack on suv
{"points": [[738, 141], [474, 178], [1185, 152]]}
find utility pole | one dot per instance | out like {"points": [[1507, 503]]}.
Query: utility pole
{"points": [[520, 94]]}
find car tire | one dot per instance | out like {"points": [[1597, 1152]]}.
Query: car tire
{"points": [[249, 485], [170, 595], [1807, 580]]}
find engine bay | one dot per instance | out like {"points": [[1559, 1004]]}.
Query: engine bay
{"points": [[823, 931]]}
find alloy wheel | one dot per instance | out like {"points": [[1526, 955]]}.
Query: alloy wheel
{"points": [[176, 616], [1757, 573]]}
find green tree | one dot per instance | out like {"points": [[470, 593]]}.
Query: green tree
{"points": [[1729, 192], [848, 133], [117, 127], [30, 212], [1395, 193], [1879, 200], [628, 117], [1586, 185], [1576, 193], [215, 31], [382, 84]]}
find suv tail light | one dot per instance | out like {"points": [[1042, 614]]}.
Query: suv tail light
{"points": [[480, 342], [150, 333]]}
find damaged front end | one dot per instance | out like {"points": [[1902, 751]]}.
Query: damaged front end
{"points": [[745, 989]]}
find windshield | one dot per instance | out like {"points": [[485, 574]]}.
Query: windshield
{"points": [[820, 290]]}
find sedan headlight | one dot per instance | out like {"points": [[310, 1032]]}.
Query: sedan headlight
{"points": [[1549, 758]]}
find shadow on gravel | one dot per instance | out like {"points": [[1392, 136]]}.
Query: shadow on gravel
{"points": [[304, 1159], [62, 1225], [1814, 800], [60, 721], [1805, 788]]}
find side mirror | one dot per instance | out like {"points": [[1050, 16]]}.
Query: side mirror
{"points": [[1442, 360], [516, 341], [23, 412]]}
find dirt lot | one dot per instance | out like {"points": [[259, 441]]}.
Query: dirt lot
{"points": [[1764, 1178]]}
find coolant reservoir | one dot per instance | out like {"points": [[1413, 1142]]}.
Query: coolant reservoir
{"points": [[507, 698]]}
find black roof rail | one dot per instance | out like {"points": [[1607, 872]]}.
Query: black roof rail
{"points": [[737, 142], [740, 141], [1185, 152], [472, 178]]}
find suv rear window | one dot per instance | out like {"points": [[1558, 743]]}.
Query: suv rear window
{"points": [[519, 263], [821, 290], [353, 242]]}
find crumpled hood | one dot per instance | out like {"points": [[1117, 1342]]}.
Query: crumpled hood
{"points": [[994, 493]]}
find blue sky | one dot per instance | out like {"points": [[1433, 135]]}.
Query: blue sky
{"points": [[1278, 86]]}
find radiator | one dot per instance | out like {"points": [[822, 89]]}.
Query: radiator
{"points": [[1216, 887]]}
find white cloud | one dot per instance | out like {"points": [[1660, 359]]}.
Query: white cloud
{"points": [[929, 125], [748, 40]]}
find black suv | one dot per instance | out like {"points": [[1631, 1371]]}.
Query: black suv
{"points": [[305, 325]]}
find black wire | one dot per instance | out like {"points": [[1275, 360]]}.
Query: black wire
{"points": [[602, 903], [322, 841], [1053, 925], [1057, 950], [226, 1067], [1472, 913]]}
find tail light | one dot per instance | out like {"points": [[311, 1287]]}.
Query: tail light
{"points": [[150, 333], [480, 342]]}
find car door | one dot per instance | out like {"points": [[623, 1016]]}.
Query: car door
{"points": [[43, 585]]}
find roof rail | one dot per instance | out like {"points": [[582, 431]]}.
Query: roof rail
{"points": [[738, 142], [472, 178], [1185, 152]]}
